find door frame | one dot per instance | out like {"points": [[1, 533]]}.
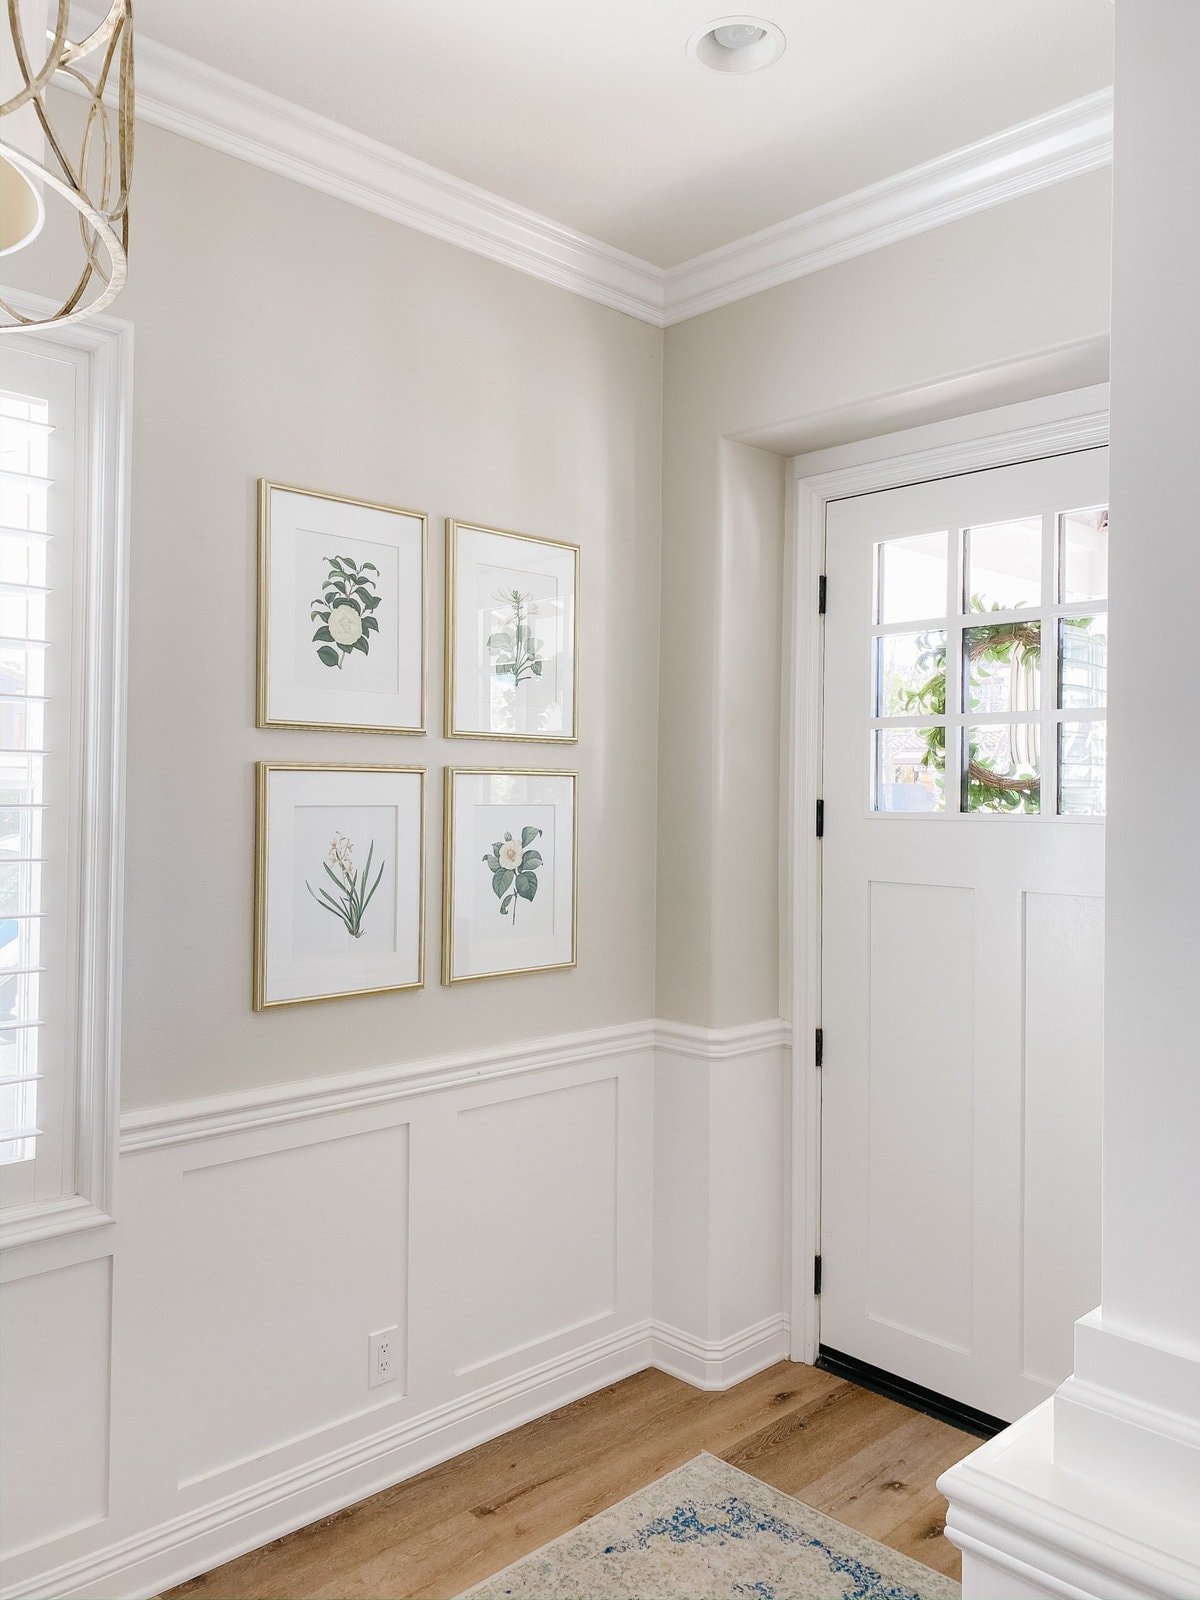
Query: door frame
{"points": [[1056, 425]]}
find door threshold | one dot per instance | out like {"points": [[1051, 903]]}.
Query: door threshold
{"points": [[928, 1401]]}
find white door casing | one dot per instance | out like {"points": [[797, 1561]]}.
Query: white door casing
{"points": [[961, 952]]}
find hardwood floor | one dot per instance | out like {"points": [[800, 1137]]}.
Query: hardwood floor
{"points": [[863, 1459]]}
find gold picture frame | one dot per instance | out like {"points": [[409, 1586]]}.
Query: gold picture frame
{"points": [[454, 529], [449, 849], [264, 771], [263, 712]]}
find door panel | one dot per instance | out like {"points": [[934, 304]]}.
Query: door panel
{"points": [[966, 655]]}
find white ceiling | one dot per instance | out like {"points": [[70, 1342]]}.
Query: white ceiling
{"points": [[594, 115]]}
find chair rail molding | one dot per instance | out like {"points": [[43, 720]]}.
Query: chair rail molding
{"points": [[216, 109]]}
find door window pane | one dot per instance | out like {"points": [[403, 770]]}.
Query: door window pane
{"points": [[1003, 566], [912, 578], [1002, 770], [1083, 662], [910, 673], [1081, 768], [1083, 547], [1002, 667], [910, 768]]}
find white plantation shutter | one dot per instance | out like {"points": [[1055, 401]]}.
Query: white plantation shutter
{"points": [[42, 396]]}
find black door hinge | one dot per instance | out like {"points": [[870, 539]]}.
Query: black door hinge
{"points": [[822, 594], [816, 1274], [819, 1052], [820, 819]]}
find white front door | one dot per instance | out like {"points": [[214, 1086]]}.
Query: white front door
{"points": [[964, 718]]}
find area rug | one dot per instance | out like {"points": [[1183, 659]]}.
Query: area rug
{"points": [[709, 1531]]}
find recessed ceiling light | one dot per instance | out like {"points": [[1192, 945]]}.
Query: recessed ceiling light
{"points": [[737, 44]]}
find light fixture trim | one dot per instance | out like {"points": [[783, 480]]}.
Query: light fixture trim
{"points": [[765, 46]]}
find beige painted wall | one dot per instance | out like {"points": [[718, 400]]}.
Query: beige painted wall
{"points": [[819, 361], [309, 341], [282, 333]]}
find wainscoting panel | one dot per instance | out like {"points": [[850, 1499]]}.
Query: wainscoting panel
{"points": [[497, 1209], [54, 1341], [309, 1245], [537, 1182]]}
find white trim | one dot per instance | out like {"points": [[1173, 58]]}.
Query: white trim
{"points": [[1013, 1512], [155, 1127], [1065, 143], [109, 345], [221, 111], [1001, 437], [174, 1551], [720, 1363], [216, 109], [720, 1044]]}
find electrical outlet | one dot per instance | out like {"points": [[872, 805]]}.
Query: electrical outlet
{"points": [[383, 1351]]}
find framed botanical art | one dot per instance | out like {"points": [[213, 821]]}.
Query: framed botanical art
{"points": [[339, 883], [508, 896], [341, 612], [510, 635]]}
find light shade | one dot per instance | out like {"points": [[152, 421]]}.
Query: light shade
{"points": [[38, 159], [21, 210]]}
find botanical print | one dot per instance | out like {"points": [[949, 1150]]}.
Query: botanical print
{"points": [[352, 897], [515, 643], [514, 869], [345, 610]]}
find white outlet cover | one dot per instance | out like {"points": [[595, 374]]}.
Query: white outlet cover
{"points": [[383, 1354]]}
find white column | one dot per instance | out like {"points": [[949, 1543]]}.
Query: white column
{"points": [[1102, 1488]]}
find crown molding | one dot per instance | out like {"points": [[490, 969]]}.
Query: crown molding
{"points": [[185, 96], [213, 108], [1065, 143]]}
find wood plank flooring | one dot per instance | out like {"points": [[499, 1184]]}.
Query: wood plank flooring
{"points": [[863, 1459]]}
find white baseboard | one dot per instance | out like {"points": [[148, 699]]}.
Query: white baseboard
{"points": [[143, 1566], [720, 1363], [1029, 1530]]}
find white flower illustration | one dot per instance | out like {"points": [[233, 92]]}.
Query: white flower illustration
{"points": [[345, 625], [510, 855], [341, 852]]}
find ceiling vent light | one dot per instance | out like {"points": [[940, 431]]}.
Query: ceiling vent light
{"points": [[737, 44]]}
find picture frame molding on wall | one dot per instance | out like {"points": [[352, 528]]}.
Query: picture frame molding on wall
{"points": [[263, 774], [263, 717], [449, 978], [455, 526]]}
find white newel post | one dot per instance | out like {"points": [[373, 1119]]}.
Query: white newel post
{"points": [[1098, 1493]]}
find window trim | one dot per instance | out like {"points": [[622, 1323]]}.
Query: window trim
{"points": [[108, 345]]}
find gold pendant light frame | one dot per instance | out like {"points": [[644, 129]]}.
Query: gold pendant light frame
{"points": [[101, 197]]}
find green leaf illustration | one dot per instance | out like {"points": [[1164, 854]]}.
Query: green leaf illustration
{"points": [[528, 835], [530, 862], [504, 905], [502, 880], [526, 885], [348, 586], [493, 861]]}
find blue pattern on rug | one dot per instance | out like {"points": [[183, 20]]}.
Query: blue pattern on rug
{"points": [[709, 1531], [734, 1518]]}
